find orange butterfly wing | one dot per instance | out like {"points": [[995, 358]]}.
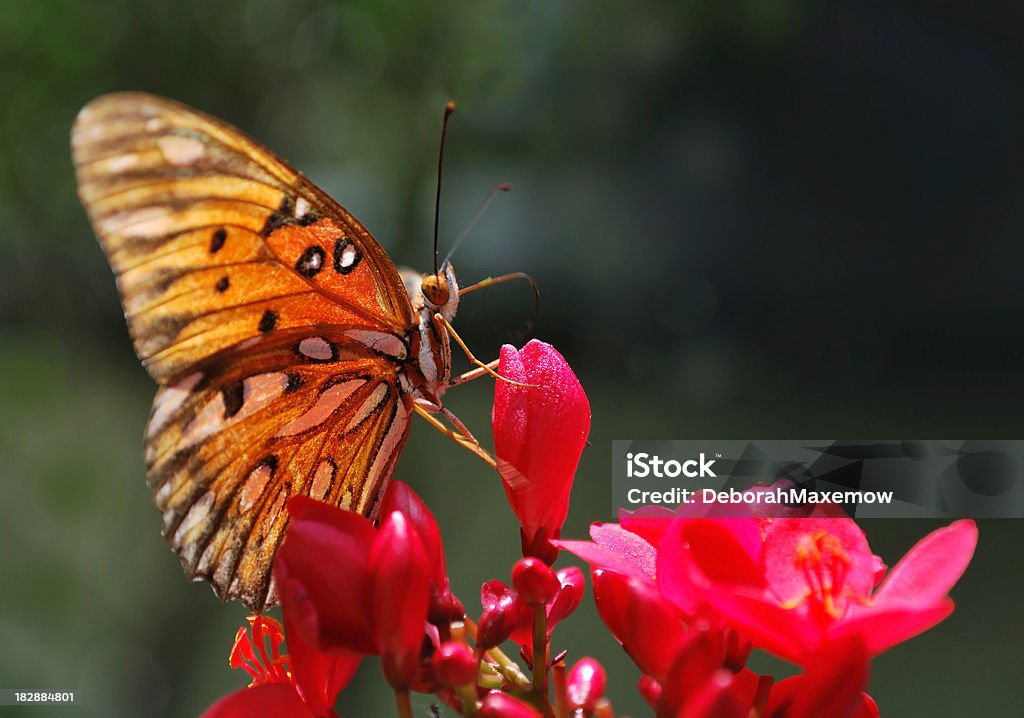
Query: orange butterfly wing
{"points": [[273, 321]]}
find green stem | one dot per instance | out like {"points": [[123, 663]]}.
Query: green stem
{"points": [[504, 665]]}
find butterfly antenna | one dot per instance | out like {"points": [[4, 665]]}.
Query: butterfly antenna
{"points": [[449, 108], [502, 187]]}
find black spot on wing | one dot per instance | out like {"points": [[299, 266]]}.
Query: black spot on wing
{"points": [[294, 382], [285, 214], [234, 396], [346, 255], [310, 217], [268, 321], [311, 261], [217, 241], [222, 285]]}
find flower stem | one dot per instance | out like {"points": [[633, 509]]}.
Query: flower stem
{"points": [[540, 650], [502, 663], [467, 694], [402, 702], [561, 696]]}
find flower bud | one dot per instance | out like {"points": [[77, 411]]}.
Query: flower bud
{"points": [[501, 705], [454, 664], [534, 581], [585, 684], [503, 612], [445, 608], [540, 425], [650, 690], [400, 594]]}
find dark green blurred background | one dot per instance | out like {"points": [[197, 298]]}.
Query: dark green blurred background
{"points": [[748, 218]]}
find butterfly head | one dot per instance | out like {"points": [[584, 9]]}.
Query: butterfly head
{"points": [[441, 292]]}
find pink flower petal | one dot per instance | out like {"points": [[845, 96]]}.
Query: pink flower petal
{"points": [[696, 554], [841, 541], [883, 627], [615, 549], [927, 572]]}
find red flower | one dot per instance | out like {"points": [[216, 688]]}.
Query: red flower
{"points": [[349, 589], [690, 666], [302, 684], [807, 582], [539, 433], [832, 686], [648, 626]]}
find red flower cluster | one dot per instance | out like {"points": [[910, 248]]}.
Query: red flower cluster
{"points": [[687, 597]]}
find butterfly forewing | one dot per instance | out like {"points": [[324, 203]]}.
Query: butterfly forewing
{"points": [[274, 323], [213, 239]]}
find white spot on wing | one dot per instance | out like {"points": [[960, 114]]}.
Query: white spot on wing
{"points": [[348, 256], [208, 420], [383, 463], [316, 348], [120, 163], [144, 223], [383, 342], [169, 399], [322, 480], [253, 487], [368, 406], [193, 518], [259, 390], [163, 493], [346, 500], [302, 207], [180, 150], [325, 405]]}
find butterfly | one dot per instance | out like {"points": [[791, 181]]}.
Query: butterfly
{"points": [[289, 350]]}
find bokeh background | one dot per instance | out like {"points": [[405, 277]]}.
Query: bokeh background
{"points": [[748, 218]]}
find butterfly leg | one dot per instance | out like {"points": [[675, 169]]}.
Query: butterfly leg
{"points": [[465, 440], [473, 374], [445, 325]]}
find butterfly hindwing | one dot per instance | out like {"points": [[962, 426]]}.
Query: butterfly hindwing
{"points": [[274, 323], [226, 449]]}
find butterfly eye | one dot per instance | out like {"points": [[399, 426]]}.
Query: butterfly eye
{"points": [[435, 289]]}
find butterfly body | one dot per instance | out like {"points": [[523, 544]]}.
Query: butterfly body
{"points": [[289, 353]]}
